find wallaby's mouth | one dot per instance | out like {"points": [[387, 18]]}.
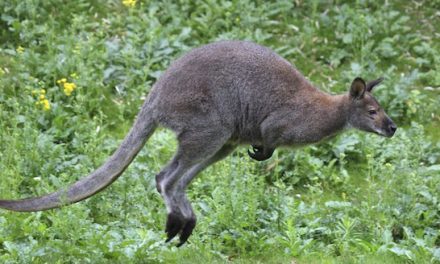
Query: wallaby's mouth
{"points": [[391, 134], [388, 128], [389, 131]]}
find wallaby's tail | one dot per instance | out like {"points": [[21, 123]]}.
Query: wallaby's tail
{"points": [[99, 179]]}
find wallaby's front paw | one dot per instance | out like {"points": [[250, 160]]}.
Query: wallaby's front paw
{"points": [[260, 153]]}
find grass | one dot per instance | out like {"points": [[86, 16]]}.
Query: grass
{"points": [[357, 198]]}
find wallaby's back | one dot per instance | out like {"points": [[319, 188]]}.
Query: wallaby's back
{"points": [[236, 82]]}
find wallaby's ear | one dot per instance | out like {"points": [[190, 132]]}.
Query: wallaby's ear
{"points": [[371, 84], [358, 88]]}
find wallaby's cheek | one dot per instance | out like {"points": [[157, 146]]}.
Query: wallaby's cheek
{"points": [[386, 123], [381, 124]]}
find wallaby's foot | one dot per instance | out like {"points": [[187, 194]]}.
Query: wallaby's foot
{"points": [[176, 223], [260, 153], [187, 231]]}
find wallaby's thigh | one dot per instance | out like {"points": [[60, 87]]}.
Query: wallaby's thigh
{"points": [[196, 146]]}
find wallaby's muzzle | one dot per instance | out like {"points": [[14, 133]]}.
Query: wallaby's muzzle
{"points": [[390, 127]]}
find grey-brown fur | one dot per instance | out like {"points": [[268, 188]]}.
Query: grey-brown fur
{"points": [[217, 97]]}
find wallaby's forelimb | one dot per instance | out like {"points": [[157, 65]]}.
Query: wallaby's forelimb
{"points": [[260, 153]]}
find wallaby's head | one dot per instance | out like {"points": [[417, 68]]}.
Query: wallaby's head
{"points": [[365, 113]]}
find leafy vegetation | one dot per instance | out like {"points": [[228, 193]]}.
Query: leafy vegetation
{"points": [[72, 78]]}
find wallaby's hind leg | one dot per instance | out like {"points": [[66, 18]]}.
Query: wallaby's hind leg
{"points": [[180, 187], [195, 147]]}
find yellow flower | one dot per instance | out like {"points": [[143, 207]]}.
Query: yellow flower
{"points": [[74, 75], [20, 49], [63, 80], [68, 88], [42, 100], [46, 104], [129, 3]]}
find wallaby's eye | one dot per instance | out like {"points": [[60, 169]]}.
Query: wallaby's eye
{"points": [[372, 112]]}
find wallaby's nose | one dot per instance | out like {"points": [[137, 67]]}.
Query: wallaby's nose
{"points": [[392, 129]]}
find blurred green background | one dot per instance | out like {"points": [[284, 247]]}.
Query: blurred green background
{"points": [[73, 75]]}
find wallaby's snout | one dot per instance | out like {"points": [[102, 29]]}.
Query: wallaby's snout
{"points": [[390, 127]]}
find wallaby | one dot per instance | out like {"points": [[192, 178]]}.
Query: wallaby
{"points": [[214, 98]]}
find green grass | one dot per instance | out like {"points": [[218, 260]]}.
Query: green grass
{"points": [[357, 198]]}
